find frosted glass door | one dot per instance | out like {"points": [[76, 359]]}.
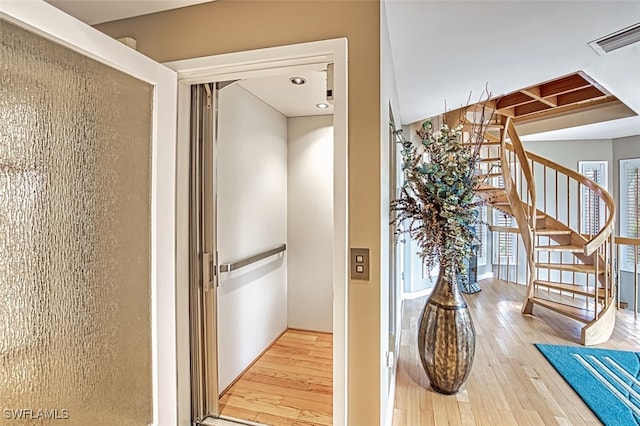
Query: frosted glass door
{"points": [[75, 237]]}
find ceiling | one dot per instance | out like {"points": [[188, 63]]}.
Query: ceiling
{"points": [[443, 51], [290, 99], [446, 51], [277, 91], [95, 12]]}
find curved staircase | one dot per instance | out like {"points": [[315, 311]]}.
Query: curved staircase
{"points": [[544, 198]]}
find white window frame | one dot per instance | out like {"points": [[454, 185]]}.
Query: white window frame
{"points": [[587, 202], [496, 217], [499, 258], [626, 251], [481, 229]]}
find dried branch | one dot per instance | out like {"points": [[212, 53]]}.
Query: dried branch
{"points": [[438, 206]]}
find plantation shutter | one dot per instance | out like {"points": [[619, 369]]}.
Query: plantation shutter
{"points": [[481, 232], [630, 205], [504, 241], [592, 208]]}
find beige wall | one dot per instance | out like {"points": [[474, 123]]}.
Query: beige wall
{"points": [[226, 26]]}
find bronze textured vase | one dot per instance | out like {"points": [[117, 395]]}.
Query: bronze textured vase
{"points": [[446, 336]]}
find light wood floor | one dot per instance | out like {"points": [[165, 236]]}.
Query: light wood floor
{"points": [[291, 384], [511, 383]]}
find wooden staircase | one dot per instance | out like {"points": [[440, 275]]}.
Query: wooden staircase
{"points": [[544, 198]]}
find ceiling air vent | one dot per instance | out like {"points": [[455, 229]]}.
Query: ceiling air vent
{"points": [[617, 40]]}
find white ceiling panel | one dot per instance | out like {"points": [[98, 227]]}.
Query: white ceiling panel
{"points": [[95, 12], [445, 50], [290, 99]]}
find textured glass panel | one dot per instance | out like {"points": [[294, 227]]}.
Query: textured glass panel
{"points": [[75, 159]]}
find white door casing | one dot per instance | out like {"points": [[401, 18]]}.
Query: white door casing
{"points": [[260, 63]]}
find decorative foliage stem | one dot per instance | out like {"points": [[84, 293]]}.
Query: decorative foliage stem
{"points": [[437, 206]]}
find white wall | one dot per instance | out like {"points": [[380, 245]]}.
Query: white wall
{"points": [[624, 148], [568, 153], [252, 217], [310, 223]]}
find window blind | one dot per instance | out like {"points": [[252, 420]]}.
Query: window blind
{"points": [[505, 242], [592, 207], [629, 206], [481, 233]]}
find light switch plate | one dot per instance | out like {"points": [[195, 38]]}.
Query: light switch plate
{"points": [[359, 260]]}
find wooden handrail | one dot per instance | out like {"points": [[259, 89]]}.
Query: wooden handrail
{"points": [[523, 218], [598, 239], [628, 241], [522, 155], [598, 247]]}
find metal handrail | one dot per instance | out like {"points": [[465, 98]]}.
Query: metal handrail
{"points": [[228, 267]]}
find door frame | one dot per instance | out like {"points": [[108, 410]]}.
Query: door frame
{"points": [[251, 64], [48, 22]]}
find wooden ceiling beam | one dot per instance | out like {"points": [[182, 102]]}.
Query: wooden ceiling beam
{"points": [[582, 95], [530, 108], [563, 96], [533, 92], [564, 110], [563, 85], [551, 101], [536, 93], [509, 112], [513, 100]]}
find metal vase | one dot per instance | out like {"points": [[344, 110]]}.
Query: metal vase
{"points": [[446, 336]]}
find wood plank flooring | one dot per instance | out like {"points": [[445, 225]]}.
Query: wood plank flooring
{"points": [[511, 383], [291, 384]]}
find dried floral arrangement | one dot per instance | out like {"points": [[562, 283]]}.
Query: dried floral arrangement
{"points": [[438, 206]]}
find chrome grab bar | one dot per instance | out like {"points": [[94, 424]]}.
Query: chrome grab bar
{"points": [[228, 267]]}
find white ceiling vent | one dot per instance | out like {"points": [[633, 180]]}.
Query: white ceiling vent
{"points": [[617, 40]]}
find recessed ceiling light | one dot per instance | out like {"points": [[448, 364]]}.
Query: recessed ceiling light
{"points": [[297, 80], [322, 105]]}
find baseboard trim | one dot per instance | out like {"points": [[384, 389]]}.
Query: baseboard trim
{"points": [[228, 421], [485, 276]]}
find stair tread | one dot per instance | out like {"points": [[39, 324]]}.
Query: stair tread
{"points": [[485, 143], [569, 267], [489, 189], [541, 232], [506, 207], [504, 229], [488, 160], [545, 231], [491, 137], [571, 288], [579, 314], [571, 248], [486, 126], [489, 175]]}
